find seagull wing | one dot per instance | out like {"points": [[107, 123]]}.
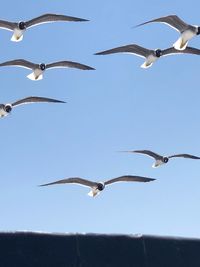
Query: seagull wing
{"points": [[74, 180], [129, 178], [20, 63], [7, 25], [188, 156], [148, 153], [188, 50], [172, 20], [132, 48], [68, 64], [35, 99], [47, 18]]}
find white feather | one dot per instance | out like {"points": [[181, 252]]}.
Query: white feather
{"points": [[149, 61], [182, 42], [94, 192], [35, 77], [17, 35], [157, 163], [3, 113]]}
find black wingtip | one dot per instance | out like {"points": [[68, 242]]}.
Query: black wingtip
{"points": [[91, 68], [58, 101], [136, 26], [99, 53], [62, 102], [151, 180], [41, 185]]}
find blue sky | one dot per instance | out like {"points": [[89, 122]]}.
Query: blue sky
{"points": [[117, 107]]}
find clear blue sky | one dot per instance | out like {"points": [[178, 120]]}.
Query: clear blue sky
{"points": [[117, 107]]}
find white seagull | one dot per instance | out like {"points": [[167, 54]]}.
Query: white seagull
{"points": [[97, 187], [38, 69], [187, 31], [6, 109], [150, 55], [19, 28], [159, 159]]}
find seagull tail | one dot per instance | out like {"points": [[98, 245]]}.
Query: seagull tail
{"points": [[157, 164], [180, 44], [146, 65], [16, 38], [93, 193], [33, 77]]}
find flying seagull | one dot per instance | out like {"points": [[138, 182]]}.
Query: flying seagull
{"points": [[150, 55], [20, 27], [160, 160], [38, 69], [97, 187], [187, 31], [5, 109]]}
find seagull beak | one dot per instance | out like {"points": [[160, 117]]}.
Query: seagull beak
{"points": [[33, 77]]}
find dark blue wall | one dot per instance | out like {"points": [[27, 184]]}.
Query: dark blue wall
{"points": [[23, 249]]}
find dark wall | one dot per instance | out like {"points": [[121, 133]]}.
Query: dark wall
{"points": [[25, 249]]}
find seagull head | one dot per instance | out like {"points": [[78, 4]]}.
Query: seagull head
{"points": [[158, 52], [42, 66], [165, 159], [8, 108], [22, 25], [100, 186]]}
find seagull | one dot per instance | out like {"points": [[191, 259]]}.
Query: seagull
{"points": [[150, 55], [159, 159], [187, 31], [97, 187], [38, 69], [6, 109], [20, 27]]}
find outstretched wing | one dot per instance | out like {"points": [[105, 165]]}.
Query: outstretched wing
{"points": [[68, 64], [129, 178], [19, 63], [74, 180], [132, 48], [171, 20], [188, 156], [7, 25], [35, 99], [187, 50], [47, 18], [148, 153]]}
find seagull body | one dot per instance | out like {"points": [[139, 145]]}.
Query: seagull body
{"points": [[187, 31], [159, 159], [38, 69], [150, 55], [6, 109], [19, 28], [97, 187]]}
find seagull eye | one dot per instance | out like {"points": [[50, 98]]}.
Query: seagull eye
{"points": [[8, 108], [42, 66], [22, 25], [165, 159], [158, 52], [100, 186]]}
